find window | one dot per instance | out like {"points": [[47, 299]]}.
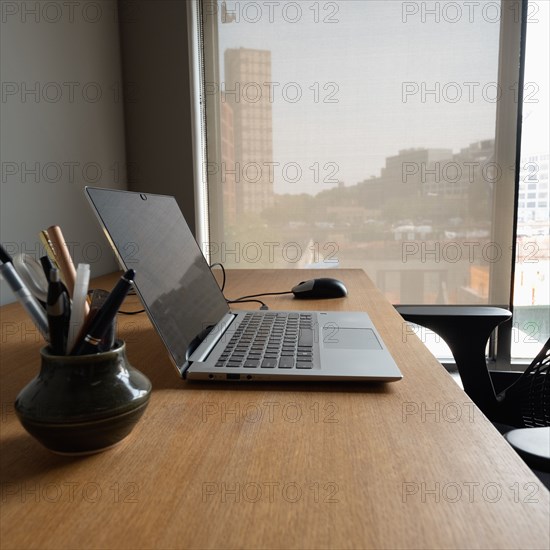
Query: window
{"points": [[532, 274], [369, 134]]}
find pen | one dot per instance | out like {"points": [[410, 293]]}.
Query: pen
{"points": [[4, 256], [48, 247], [105, 316], [63, 257], [109, 336], [23, 294], [58, 309], [47, 266], [96, 303]]}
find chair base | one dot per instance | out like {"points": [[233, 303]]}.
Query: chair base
{"points": [[544, 476], [533, 444]]}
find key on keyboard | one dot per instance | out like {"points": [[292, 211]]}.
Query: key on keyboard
{"points": [[268, 341]]}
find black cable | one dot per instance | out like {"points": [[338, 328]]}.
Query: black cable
{"points": [[264, 294], [223, 273], [130, 293], [263, 306], [131, 312], [247, 298]]}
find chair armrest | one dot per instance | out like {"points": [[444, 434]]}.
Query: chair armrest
{"points": [[435, 313], [466, 330]]}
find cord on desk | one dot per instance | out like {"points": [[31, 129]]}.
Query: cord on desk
{"points": [[264, 294], [131, 312], [239, 301], [223, 273], [247, 298], [131, 293]]}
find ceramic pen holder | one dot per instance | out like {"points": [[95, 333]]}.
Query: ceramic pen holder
{"points": [[83, 404]]}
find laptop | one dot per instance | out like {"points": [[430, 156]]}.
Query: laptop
{"points": [[205, 339]]}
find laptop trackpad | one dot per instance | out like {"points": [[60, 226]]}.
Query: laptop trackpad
{"points": [[335, 337]]}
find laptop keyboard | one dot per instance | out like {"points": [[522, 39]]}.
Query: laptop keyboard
{"points": [[281, 340]]}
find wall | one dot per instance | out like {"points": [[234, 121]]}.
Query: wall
{"points": [[62, 123], [154, 44]]}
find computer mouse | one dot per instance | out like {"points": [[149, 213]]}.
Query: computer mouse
{"points": [[324, 287]]}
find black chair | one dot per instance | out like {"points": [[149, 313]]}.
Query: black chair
{"points": [[522, 402], [530, 395]]}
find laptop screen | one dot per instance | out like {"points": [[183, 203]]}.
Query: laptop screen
{"points": [[173, 278]]}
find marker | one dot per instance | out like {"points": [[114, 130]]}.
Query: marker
{"points": [[105, 316], [80, 307], [23, 294]]}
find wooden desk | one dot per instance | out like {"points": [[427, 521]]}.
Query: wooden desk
{"points": [[412, 464]]}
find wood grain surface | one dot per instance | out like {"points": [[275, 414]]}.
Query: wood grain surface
{"points": [[410, 464]]}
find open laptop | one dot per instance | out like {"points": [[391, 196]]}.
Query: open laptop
{"points": [[205, 339]]}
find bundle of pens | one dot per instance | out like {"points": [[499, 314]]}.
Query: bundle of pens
{"points": [[55, 295]]}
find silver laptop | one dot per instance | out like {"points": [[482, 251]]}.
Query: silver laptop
{"points": [[205, 339]]}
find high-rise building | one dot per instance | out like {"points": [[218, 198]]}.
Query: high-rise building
{"points": [[247, 91], [533, 188], [227, 129]]}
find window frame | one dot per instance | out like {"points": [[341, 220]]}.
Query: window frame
{"points": [[203, 32]]}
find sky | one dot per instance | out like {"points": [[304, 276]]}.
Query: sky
{"points": [[362, 66]]}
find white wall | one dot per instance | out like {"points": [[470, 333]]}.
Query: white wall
{"points": [[54, 63]]}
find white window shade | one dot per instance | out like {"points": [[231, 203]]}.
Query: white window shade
{"points": [[370, 134]]}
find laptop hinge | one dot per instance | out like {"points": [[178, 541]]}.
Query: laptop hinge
{"points": [[210, 342]]}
